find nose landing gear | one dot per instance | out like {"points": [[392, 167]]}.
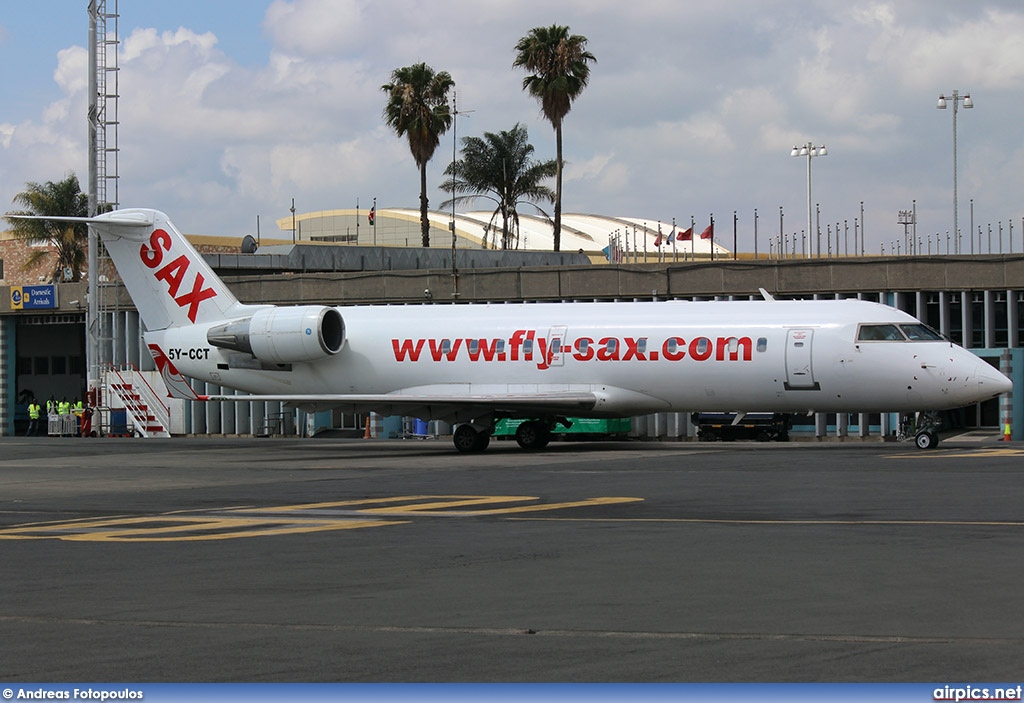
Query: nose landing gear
{"points": [[923, 427]]}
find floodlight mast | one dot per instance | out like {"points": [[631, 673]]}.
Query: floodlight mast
{"points": [[810, 151], [941, 105]]}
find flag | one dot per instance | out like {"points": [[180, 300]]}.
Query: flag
{"points": [[685, 235], [709, 233], [657, 240], [372, 215]]}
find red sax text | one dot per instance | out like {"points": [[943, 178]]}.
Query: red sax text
{"points": [[173, 273], [530, 347]]}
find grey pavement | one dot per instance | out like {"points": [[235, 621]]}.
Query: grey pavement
{"points": [[385, 561]]}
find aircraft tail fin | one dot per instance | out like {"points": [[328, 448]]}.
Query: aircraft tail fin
{"points": [[169, 281]]}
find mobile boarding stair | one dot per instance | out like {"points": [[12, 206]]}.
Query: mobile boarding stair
{"points": [[146, 413]]}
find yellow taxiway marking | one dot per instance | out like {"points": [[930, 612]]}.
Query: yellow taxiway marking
{"points": [[239, 522], [958, 454], [444, 507], [179, 528]]}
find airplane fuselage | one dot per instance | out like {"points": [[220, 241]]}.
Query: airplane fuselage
{"points": [[780, 356]]}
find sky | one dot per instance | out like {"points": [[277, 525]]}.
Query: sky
{"points": [[229, 109]]}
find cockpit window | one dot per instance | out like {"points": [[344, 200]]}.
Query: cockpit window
{"points": [[879, 333], [921, 333]]}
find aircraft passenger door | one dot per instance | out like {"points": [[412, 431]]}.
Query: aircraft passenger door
{"points": [[556, 345], [799, 372]]}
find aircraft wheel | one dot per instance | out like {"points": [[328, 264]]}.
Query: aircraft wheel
{"points": [[467, 440], [532, 435], [926, 440]]}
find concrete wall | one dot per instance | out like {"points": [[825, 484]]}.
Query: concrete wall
{"points": [[804, 277]]}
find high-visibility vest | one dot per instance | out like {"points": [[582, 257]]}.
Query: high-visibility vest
{"points": [[33, 411], [63, 408], [51, 407], [78, 405]]}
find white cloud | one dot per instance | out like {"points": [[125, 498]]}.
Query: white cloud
{"points": [[690, 106], [987, 52], [317, 27]]}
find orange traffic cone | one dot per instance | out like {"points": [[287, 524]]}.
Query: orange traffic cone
{"points": [[366, 433]]}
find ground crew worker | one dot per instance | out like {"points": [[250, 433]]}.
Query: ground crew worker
{"points": [[51, 406], [86, 422], [33, 418], [64, 407], [77, 411]]}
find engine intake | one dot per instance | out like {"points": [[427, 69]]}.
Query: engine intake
{"points": [[284, 335]]}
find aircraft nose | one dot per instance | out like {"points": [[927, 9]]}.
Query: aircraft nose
{"points": [[993, 381], [985, 382]]}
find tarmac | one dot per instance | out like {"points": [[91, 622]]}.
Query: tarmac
{"points": [[307, 560]]}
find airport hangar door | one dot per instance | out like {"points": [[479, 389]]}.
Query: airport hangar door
{"points": [[50, 360]]}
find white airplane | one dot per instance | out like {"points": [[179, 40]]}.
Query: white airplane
{"points": [[473, 364]]}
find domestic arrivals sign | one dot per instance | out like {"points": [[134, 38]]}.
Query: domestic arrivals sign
{"points": [[34, 297]]}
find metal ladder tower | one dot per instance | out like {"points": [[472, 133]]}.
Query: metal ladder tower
{"points": [[102, 309]]}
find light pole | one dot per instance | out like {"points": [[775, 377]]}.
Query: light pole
{"points": [[810, 151], [941, 105]]}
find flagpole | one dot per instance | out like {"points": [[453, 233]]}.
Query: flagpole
{"points": [[734, 244], [374, 211], [675, 255], [712, 239], [755, 234], [357, 220], [693, 252]]}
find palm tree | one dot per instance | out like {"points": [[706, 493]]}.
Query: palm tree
{"points": [[417, 108], [70, 241], [500, 168], [557, 61]]}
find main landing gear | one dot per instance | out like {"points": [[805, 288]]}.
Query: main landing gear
{"points": [[530, 435], [533, 434], [468, 438]]}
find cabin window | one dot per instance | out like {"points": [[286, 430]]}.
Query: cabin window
{"points": [[921, 333], [762, 344], [879, 333], [702, 346], [474, 346]]}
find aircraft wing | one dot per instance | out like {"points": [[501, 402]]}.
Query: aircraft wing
{"points": [[444, 402], [438, 406]]}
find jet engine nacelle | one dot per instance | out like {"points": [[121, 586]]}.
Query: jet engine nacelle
{"points": [[284, 335]]}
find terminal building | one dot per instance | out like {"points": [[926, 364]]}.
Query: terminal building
{"points": [[364, 257]]}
